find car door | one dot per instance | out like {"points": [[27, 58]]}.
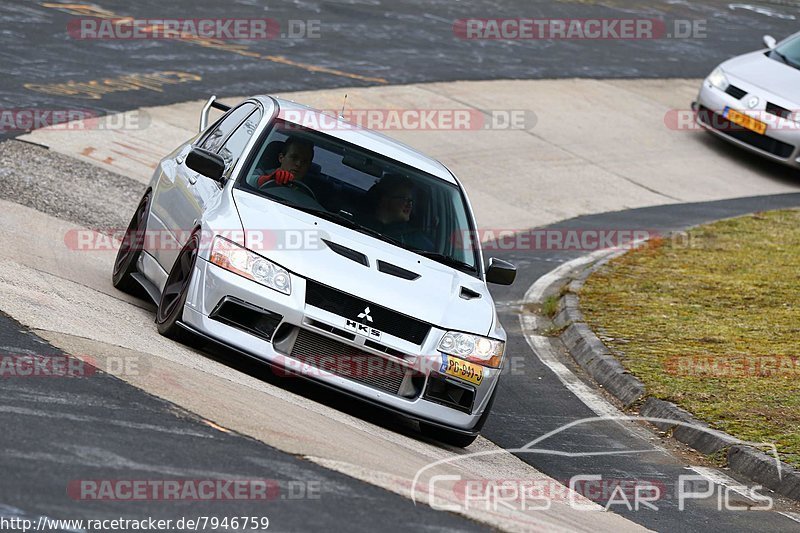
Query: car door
{"points": [[233, 149], [182, 194]]}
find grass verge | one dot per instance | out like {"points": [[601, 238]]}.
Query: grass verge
{"points": [[712, 323]]}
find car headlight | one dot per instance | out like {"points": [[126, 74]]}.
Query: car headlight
{"points": [[717, 79], [481, 350], [239, 260]]}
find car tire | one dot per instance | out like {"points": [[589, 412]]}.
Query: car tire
{"points": [[130, 249], [173, 297]]}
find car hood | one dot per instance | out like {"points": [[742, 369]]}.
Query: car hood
{"points": [[294, 240], [757, 69]]}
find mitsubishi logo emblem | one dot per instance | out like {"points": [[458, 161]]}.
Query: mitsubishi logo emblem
{"points": [[361, 328], [366, 315]]}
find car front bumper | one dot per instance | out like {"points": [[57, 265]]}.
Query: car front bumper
{"points": [[368, 373], [780, 142]]}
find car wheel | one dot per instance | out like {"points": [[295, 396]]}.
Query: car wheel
{"points": [[173, 297], [447, 436], [130, 249]]}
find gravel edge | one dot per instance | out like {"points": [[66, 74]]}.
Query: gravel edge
{"points": [[66, 188]]}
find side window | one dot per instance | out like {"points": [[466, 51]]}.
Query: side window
{"points": [[215, 139], [234, 146]]}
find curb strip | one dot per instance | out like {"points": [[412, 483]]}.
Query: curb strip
{"points": [[595, 357]]}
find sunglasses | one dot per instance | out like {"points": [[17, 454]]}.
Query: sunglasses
{"points": [[406, 199]]}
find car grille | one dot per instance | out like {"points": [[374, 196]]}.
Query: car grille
{"points": [[723, 125], [778, 110], [348, 361], [245, 316], [383, 319]]}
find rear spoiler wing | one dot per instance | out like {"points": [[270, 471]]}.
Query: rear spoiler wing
{"points": [[212, 102]]}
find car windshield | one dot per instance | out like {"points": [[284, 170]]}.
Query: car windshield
{"points": [[788, 52], [364, 191]]}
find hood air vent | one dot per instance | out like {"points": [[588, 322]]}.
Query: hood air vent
{"points": [[394, 270], [352, 255]]}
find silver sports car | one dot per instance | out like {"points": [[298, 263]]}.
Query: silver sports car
{"points": [[753, 100], [329, 251]]}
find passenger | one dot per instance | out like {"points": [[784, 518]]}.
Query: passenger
{"points": [[390, 205], [295, 160]]}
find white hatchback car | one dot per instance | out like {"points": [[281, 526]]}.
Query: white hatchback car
{"points": [[753, 101], [329, 251]]}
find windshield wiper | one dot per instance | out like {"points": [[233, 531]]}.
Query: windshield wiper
{"points": [[445, 259], [784, 58], [344, 221], [348, 223]]}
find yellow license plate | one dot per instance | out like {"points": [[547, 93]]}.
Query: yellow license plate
{"points": [[458, 368], [745, 121]]}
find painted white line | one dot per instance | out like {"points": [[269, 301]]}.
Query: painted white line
{"points": [[535, 294], [540, 346], [100, 321], [545, 353], [720, 478]]}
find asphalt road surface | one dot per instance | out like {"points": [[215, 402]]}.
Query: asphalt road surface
{"points": [[59, 434], [534, 402], [60, 431], [352, 43]]}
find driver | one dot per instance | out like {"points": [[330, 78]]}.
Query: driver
{"points": [[295, 160]]}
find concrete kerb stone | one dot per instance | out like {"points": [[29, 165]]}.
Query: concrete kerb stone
{"points": [[693, 433], [760, 467], [586, 348], [594, 356]]}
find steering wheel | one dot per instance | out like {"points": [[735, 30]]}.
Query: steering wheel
{"points": [[296, 185]]}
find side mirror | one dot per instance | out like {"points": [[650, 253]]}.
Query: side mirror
{"points": [[769, 41], [500, 272], [206, 163]]}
